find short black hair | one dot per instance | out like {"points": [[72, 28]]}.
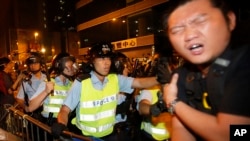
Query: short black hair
{"points": [[3, 61], [223, 5]]}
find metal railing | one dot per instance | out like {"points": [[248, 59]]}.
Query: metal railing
{"points": [[30, 129]]}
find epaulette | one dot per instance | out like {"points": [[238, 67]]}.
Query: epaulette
{"points": [[82, 77]]}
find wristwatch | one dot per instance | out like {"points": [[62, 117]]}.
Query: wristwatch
{"points": [[171, 106]]}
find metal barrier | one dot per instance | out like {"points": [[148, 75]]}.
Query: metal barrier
{"points": [[30, 129]]}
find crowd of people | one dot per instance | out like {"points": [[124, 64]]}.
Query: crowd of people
{"points": [[97, 100], [176, 101]]}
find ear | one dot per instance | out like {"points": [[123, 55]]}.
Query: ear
{"points": [[232, 20]]}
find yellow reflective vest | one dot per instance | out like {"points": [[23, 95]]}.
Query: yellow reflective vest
{"points": [[55, 102], [97, 108], [159, 131]]}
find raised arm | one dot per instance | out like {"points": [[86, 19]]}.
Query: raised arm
{"points": [[39, 98], [145, 82]]}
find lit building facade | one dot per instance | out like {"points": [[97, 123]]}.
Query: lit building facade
{"points": [[40, 26], [129, 24], [134, 26]]}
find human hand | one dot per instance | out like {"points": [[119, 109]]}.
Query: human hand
{"points": [[159, 106], [170, 90], [21, 76], [154, 110], [57, 129], [49, 87], [162, 72]]}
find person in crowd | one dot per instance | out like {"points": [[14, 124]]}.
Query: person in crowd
{"points": [[151, 106], [52, 93], [6, 82], [123, 125], [122, 67], [156, 124], [94, 95], [211, 90], [30, 80]]}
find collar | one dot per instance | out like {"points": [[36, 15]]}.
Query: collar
{"points": [[59, 82], [95, 80]]}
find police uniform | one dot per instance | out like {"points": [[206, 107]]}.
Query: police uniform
{"points": [[152, 132], [119, 117], [76, 99], [30, 86], [52, 104]]}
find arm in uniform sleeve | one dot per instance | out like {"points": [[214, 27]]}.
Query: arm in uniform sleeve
{"points": [[144, 103], [69, 104], [125, 84], [41, 94], [146, 82], [20, 97]]}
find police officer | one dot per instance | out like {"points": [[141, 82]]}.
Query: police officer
{"points": [[51, 94], [152, 107], [31, 78], [123, 125], [94, 96], [122, 67]]}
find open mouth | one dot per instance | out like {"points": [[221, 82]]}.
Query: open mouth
{"points": [[196, 49], [196, 46]]}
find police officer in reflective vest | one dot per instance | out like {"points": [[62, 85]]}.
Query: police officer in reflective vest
{"points": [[94, 95], [151, 106], [51, 94]]}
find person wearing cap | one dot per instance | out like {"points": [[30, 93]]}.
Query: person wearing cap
{"points": [[51, 94], [124, 110], [30, 79], [122, 66], [94, 95]]}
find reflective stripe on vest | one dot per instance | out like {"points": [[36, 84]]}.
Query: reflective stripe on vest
{"points": [[97, 107], [158, 132], [51, 109], [97, 116], [94, 129], [55, 102], [152, 129], [94, 103]]}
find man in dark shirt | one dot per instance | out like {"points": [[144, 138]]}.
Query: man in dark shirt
{"points": [[211, 91]]}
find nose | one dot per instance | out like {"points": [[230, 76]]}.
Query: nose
{"points": [[107, 61], [190, 33]]}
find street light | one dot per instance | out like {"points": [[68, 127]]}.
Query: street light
{"points": [[36, 34], [43, 50]]}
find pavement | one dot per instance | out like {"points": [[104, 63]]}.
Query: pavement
{"points": [[6, 136]]}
